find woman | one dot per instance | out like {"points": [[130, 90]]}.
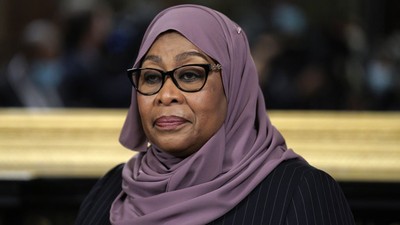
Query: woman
{"points": [[208, 153]]}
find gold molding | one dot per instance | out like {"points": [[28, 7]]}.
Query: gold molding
{"points": [[351, 146]]}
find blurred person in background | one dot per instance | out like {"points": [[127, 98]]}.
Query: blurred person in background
{"points": [[300, 66], [98, 43], [85, 34], [34, 73], [382, 75]]}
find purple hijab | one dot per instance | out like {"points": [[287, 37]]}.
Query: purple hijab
{"points": [[161, 189]]}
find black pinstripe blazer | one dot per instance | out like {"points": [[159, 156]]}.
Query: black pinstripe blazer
{"points": [[295, 193]]}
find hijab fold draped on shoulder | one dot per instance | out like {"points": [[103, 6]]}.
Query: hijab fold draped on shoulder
{"points": [[161, 189]]}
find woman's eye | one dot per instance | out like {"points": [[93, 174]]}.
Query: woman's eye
{"points": [[191, 76], [152, 78]]}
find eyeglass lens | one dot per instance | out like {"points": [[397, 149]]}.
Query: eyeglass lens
{"points": [[188, 78]]}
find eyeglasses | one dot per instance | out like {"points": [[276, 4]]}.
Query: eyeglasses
{"points": [[188, 78]]}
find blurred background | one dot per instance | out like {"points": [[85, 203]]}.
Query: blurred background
{"points": [[341, 55]]}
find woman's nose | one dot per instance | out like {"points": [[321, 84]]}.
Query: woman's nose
{"points": [[169, 93]]}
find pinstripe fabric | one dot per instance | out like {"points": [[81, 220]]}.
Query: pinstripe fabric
{"points": [[294, 193], [95, 208]]}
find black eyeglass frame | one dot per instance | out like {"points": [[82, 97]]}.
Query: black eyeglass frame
{"points": [[207, 68]]}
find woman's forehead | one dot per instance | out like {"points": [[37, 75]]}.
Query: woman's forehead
{"points": [[188, 48]]}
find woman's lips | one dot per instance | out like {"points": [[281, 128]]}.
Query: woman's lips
{"points": [[169, 122]]}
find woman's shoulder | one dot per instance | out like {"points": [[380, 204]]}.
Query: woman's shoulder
{"points": [[96, 206], [293, 183], [318, 199], [289, 175], [296, 171], [298, 193], [293, 169]]}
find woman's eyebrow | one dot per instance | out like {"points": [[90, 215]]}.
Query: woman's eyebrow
{"points": [[185, 55], [153, 58], [179, 57]]}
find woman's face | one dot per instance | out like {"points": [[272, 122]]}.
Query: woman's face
{"points": [[180, 122]]}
